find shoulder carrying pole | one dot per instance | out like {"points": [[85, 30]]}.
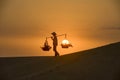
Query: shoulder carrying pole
{"points": [[58, 36]]}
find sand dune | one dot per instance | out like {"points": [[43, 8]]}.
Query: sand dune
{"points": [[102, 63]]}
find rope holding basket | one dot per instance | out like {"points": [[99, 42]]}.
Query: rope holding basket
{"points": [[46, 46]]}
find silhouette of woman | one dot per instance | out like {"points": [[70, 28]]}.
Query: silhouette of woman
{"points": [[55, 43]]}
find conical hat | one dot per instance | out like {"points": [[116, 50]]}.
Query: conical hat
{"points": [[53, 33]]}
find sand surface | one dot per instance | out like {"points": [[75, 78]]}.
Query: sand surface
{"points": [[102, 63]]}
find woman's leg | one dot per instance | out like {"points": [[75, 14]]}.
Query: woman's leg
{"points": [[55, 50]]}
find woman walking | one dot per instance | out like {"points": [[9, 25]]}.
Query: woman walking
{"points": [[55, 43]]}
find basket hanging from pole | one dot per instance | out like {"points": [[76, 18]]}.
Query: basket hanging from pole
{"points": [[46, 46], [65, 43]]}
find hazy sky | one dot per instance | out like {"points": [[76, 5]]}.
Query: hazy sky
{"points": [[24, 24]]}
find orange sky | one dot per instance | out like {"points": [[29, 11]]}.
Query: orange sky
{"points": [[24, 24]]}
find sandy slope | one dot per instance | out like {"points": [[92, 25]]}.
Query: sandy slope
{"points": [[102, 63]]}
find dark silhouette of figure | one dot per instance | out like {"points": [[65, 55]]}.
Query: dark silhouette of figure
{"points": [[55, 43]]}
